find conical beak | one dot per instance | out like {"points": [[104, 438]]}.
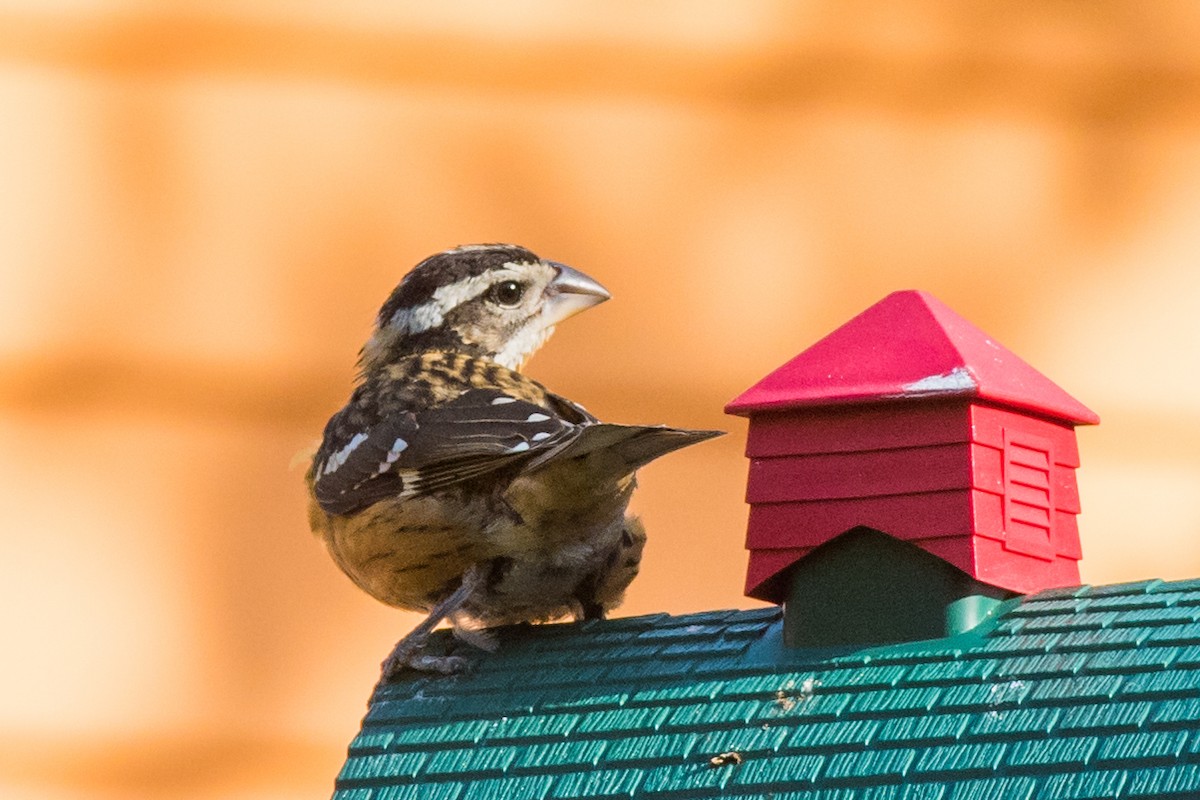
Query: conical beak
{"points": [[569, 293]]}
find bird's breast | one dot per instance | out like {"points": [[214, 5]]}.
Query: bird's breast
{"points": [[550, 531], [410, 553], [566, 530]]}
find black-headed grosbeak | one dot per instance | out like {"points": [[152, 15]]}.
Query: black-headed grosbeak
{"points": [[453, 484]]}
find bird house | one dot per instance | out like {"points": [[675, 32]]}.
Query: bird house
{"points": [[902, 468], [910, 421]]}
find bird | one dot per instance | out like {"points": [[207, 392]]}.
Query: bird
{"points": [[453, 484]]}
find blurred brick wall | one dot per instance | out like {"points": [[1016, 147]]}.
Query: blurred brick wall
{"points": [[202, 207]]}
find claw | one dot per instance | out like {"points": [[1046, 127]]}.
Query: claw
{"points": [[407, 652], [403, 658]]}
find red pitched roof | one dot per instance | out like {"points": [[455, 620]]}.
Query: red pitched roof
{"points": [[909, 345]]}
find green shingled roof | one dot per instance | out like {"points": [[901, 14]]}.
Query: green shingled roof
{"points": [[1088, 692]]}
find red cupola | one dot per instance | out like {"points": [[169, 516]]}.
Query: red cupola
{"points": [[910, 421]]}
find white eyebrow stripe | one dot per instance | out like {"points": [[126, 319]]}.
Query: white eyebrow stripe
{"points": [[416, 320], [446, 298]]}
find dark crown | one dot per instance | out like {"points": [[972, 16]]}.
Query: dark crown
{"points": [[447, 267]]}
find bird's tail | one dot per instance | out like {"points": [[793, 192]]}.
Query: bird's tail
{"points": [[637, 445]]}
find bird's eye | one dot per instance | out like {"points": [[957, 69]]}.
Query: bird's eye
{"points": [[506, 293]]}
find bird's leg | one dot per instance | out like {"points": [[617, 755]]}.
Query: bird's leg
{"points": [[476, 637], [407, 652]]}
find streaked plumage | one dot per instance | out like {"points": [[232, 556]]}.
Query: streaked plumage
{"points": [[452, 483]]}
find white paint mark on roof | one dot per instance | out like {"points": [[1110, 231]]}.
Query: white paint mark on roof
{"points": [[955, 381]]}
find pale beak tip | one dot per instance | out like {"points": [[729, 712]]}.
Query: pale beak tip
{"points": [[572, 281]]}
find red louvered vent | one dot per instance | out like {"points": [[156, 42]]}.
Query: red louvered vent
{"points": [[1028, 497], [910, 421]]}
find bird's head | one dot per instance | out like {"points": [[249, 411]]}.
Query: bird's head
{"points": [[498, 301]]}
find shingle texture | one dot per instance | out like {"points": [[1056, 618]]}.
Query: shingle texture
{"points": [[1092, 692]]}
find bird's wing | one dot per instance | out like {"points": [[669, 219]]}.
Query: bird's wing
{"points": [[569, 409], [415, 453], [635, 445]]}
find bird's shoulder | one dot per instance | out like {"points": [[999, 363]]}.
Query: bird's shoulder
{"points": [[434, 420], [429, 379]]}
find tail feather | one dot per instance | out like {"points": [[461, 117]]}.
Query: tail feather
{"points": [[636, 444]]}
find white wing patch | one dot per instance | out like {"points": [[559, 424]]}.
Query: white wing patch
{"points": [[412, 455], [398, 447], [339, 458], [410, 481]]}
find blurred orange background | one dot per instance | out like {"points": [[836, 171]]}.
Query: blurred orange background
{"points": [[203, 205]]}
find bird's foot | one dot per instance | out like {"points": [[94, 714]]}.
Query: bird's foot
{"points": [[406, 657], [409, 651]]}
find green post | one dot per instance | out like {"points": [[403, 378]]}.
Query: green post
{"points": [[967, 612], [866, 588]]}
